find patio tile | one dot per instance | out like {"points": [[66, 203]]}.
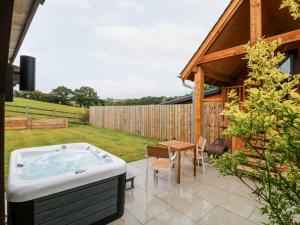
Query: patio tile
{"points": [[127, 219], [187, 203], [220, 216], [257, 217], [172, 217], [202, 199], [135, 170], [212, 177], [141, 164], [239, 205], [143, 205], [245, 192], [193, 186], [155, 185]]}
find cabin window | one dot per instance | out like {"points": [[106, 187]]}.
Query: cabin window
{"points": [[289, 64]]}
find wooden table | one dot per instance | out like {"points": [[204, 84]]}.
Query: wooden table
{"points": [[178, 147]]}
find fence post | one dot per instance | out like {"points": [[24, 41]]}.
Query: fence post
{"points": [[27, 111], [53, 113], [29, 123], [76, 116]]}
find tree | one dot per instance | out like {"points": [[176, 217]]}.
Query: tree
{"points": [[61, 95], [293, 6], [85, 96], [34, 95], [268, 119]]}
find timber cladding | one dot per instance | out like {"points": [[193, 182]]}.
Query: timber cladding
{"points": [[162, 122], [19, 123]]}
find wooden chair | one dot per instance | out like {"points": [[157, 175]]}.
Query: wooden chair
{"points": [[159, 158], [199, 154]]}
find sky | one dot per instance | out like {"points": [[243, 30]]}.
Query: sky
{"points": [[121, 48]]}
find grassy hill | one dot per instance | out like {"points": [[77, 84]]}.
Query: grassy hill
{"points": [[37, 109]]}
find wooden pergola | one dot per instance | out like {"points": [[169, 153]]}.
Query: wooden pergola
{"points": [[219, 60], [15, 19]]}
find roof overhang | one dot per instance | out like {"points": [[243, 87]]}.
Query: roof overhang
{"points": [[221, 55], [23, 13], [211, 37]]}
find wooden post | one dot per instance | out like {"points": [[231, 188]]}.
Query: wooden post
{"points": [[27, 109], [224, 95], [255, 20], [298, 67], [199, 104], [6, 13]]}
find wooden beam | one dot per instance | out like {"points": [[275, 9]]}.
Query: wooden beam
{"points": [[285, 38], [6, 13], [255, 20], [212, 36], [238, 50], [25, 28], [199, 104]]}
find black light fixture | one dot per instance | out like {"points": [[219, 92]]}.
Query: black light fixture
{"points": [[9, 84], [27, 73]]}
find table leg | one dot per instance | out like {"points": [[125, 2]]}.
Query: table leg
{"points": [[178, 166], [195, 162]]}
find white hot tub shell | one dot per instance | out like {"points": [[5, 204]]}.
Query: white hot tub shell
{"points": [[65, 184]]}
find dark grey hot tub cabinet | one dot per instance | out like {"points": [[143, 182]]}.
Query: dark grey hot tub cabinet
{"points": [[92, 204]]}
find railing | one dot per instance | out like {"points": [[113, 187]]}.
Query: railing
{"points": [[42, 112], [239, 89]]}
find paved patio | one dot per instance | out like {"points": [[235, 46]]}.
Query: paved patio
{"points": [[204, 200]]}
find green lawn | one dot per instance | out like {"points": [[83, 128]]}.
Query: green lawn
{"points": [[126, 146], [41, 105]]}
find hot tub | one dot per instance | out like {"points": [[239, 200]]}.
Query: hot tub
{"points": [[65, 184]]}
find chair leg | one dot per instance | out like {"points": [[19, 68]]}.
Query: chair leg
{"points": [[147, 177], [170, 178], [203, 163], [182, 166]]}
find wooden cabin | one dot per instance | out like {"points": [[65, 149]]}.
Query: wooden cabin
{"points": [[219, 59]]}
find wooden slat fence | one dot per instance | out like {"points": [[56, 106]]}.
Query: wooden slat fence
{"points": [[162, 122], [213, 121], [19, 123]]}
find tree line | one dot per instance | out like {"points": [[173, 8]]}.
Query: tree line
{"points": [[87, 96], [83, 96]]}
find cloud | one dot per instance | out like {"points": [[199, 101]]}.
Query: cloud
{"points": [[148, 47], [78, 4], [131, 5], [133, 87], [122, 48], [203, 4]]}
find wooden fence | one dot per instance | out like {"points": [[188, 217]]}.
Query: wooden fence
{"points": [[213, 121], [155, 121], [37, 112], [19, 123], [162, 122]]}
